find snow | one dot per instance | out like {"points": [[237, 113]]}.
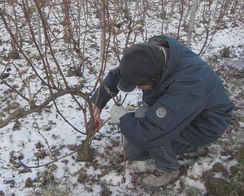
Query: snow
{"points": [[20, 137], [196, 184]]}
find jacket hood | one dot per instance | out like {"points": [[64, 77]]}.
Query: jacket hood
{"points": [[174, 57]]}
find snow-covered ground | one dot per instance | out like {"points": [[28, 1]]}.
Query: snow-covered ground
{"points": [[28, 144]]}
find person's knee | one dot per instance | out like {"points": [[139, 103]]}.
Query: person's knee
{"points": [[133, 153], [140, 112]]}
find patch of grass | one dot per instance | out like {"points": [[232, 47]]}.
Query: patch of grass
{"points": [[236, 186], [49, 192]]}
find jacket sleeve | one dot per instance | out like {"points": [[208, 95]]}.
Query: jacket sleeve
{"points": [[170, 114], [107, 89]]}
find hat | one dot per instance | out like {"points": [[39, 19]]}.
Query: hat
{"points": [[140, 65]]}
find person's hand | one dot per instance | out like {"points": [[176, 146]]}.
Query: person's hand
{"points": [[97, 117], [117, 112]]}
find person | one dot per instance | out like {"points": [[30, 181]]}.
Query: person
{"points": [[185, 105]]}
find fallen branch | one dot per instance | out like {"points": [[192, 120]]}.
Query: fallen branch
{"points": [[45, 164]]}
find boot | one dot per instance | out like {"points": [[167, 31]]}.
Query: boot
{"points": [[159, 179], [201, 152], [141, 166]]}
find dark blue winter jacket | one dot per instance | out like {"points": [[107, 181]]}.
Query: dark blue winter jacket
{"points": [[189, 100]]}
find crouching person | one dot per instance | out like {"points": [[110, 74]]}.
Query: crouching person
{"points": [[186, 105]]}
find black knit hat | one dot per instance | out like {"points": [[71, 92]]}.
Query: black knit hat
{"points": [[141, 64]]}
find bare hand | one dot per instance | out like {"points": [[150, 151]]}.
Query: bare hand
{"points": [[97, 117]]}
